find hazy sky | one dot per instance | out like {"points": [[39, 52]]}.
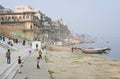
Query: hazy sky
{"points": [[93, 17]]}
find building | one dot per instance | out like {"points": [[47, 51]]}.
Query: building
{"points": [[30, 24], [22, 8], [1, 7], [60, 31], [4, 10], [23, 25]]}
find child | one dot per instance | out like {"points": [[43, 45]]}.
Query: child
{"points": [[38, 60], [19, 63]]}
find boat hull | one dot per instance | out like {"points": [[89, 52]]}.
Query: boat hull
{"points": [[93, 51]]}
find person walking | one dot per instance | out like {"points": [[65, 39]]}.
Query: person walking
{"points": [[72, 49], [38, 61], [40, 53], [23, 42], [36, 47], [19, 64], [3, 38], [8, 56]]}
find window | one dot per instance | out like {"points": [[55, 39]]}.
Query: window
{"points": [[27, 16], [31, 27], [8, 17], [19, 17], [12, 17], [2, 18], [23, 17]]}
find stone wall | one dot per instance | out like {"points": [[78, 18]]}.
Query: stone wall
{"points": [[15, 30]]}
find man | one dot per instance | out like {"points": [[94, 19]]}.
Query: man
{"points": [[36, 47], [8, 56]]}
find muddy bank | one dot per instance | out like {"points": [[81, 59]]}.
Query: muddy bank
{"points": [[73, 65]]}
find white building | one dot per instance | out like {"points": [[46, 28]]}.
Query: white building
{"points": [[22, 8]]}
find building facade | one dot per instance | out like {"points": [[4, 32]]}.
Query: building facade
{"points": [[30, 24], [60, 31], [23, 25], [20, 25]]}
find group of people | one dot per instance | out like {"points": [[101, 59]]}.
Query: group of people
{"points": [[20, 63], [9, 41], [39, 55], [38, 58], [8, 56], [2, 38], [20, 60]]}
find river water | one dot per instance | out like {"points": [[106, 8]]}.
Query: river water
{"points": [[112, 42]]}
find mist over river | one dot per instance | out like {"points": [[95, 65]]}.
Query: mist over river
{"points": [[112, 42]]}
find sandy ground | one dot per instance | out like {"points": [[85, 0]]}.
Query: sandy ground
{"points": [[73, 65]]}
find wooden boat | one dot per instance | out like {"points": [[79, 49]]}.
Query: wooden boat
{"points": [[93, 50]]}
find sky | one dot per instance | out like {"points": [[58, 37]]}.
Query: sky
{"points": [[92, 17]]}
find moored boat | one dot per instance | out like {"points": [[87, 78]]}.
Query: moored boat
{"points": [[93, 50]]}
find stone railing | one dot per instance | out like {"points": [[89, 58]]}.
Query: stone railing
{"points": [[7, 46]]}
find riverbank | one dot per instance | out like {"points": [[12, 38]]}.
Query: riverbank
{"points": [[65, 64]]}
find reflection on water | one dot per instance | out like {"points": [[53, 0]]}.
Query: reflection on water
{"points": [[112, 43]]}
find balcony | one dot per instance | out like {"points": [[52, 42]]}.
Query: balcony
{"points": [[11, 20], [27, 29]]}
